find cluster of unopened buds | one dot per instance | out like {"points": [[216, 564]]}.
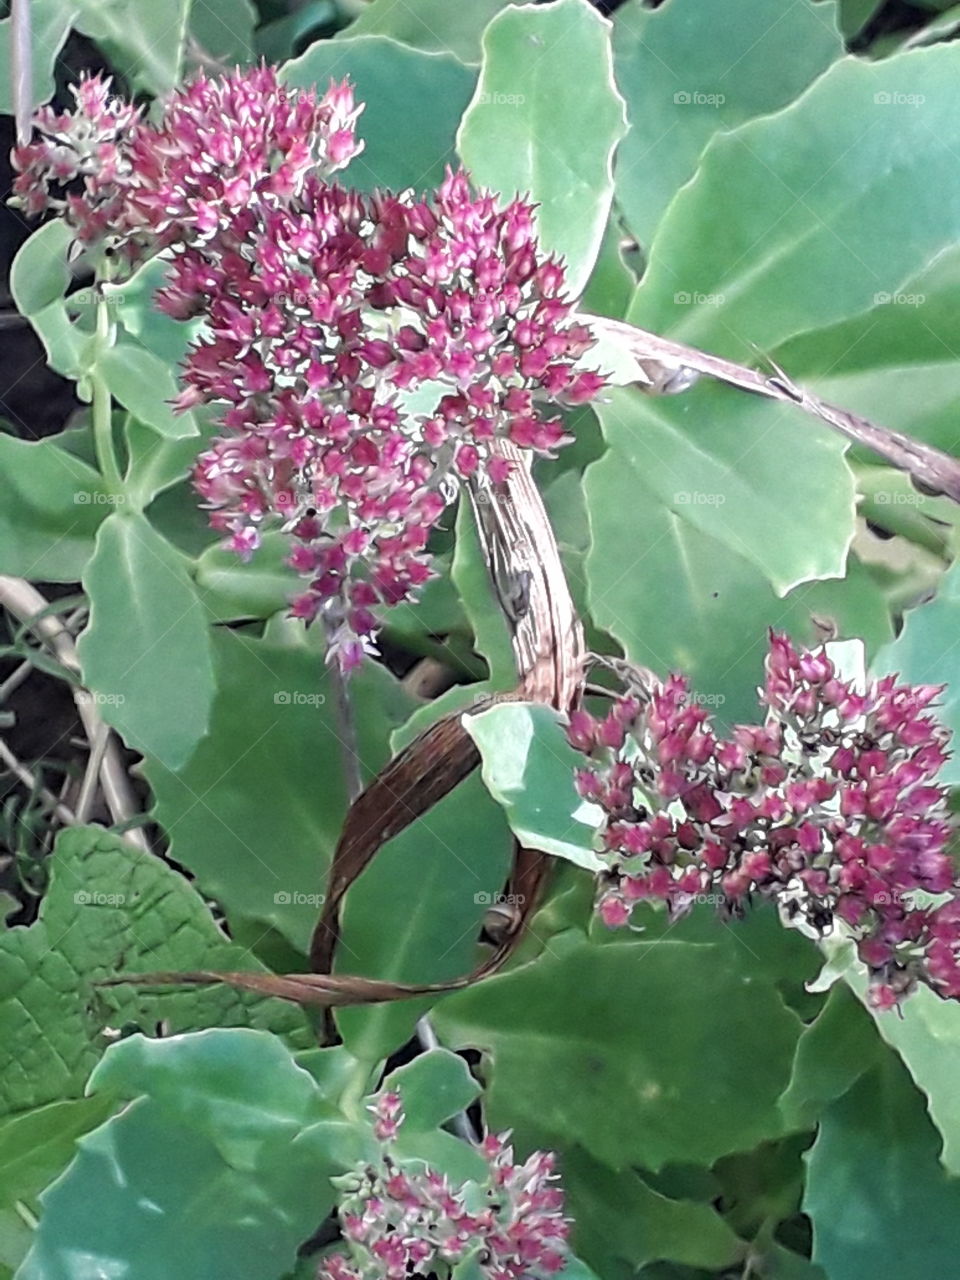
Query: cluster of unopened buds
{"points": [[403, 1219], [830, 807], [324, 309]]}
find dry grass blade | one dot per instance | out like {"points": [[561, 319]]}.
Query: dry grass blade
{"points": [[934, 470]]}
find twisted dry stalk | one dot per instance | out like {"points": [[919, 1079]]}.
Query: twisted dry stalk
{"points": [[528, 578], [548, 645]]}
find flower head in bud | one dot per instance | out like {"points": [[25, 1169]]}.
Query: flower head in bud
{"points": [[323, 308], [410, 1220], [831, 808]]}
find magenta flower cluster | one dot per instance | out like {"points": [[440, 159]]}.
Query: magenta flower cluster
{"points": [[830, 807], [406, 1220], [326, 313]]}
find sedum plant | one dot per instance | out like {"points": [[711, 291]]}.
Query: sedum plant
{"points": [[476, 407]]}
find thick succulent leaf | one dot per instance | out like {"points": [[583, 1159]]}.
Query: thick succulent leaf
{"points": [[143, 383], [414, 914], [471, 577], [891, 363], [832, 1054], [110, 909], [223, 29], [144, 40], [926, 1034], [226, 1153], [148, 634], [682, 86], [678, 599], [621, 1224], [50, 22], [257, 809], [52, 507], [521, 135], [434, 1087], [882, 1208], [434, 25], [40, 275], [762, 479], [794, 221], [528, 767], [927, 651], [695, 1052], [413, 104], [258, 589]]}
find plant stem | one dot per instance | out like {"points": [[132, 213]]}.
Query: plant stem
{"points": [[102, 405], [346, 730]]}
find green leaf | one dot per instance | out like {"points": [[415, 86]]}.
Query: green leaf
{"points": [[471, 577], [528, 767], [520, 135], [890, 363], [434, 1087], [143, 39], [132, 301], [147, 639], [36, 1146], [413, 104], [881, 1206], [434, 25], [832, 1054], [224, 29], [777, 234], [678, 599], [156, 462], [144, 384], [225, 1155], [258, 589], [109, 909], [52, 507], [855, 14], [256, 811], [655, 1051], [50, 22], [926, 1034], [925, 653], [620, 1223], [40, 274], [692, 68], [415, 913], [720, 461]]}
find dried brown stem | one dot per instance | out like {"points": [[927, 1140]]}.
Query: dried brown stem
{"points": [[934, 470]]}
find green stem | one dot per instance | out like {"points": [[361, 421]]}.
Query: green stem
{"points": [[102, 405]]}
